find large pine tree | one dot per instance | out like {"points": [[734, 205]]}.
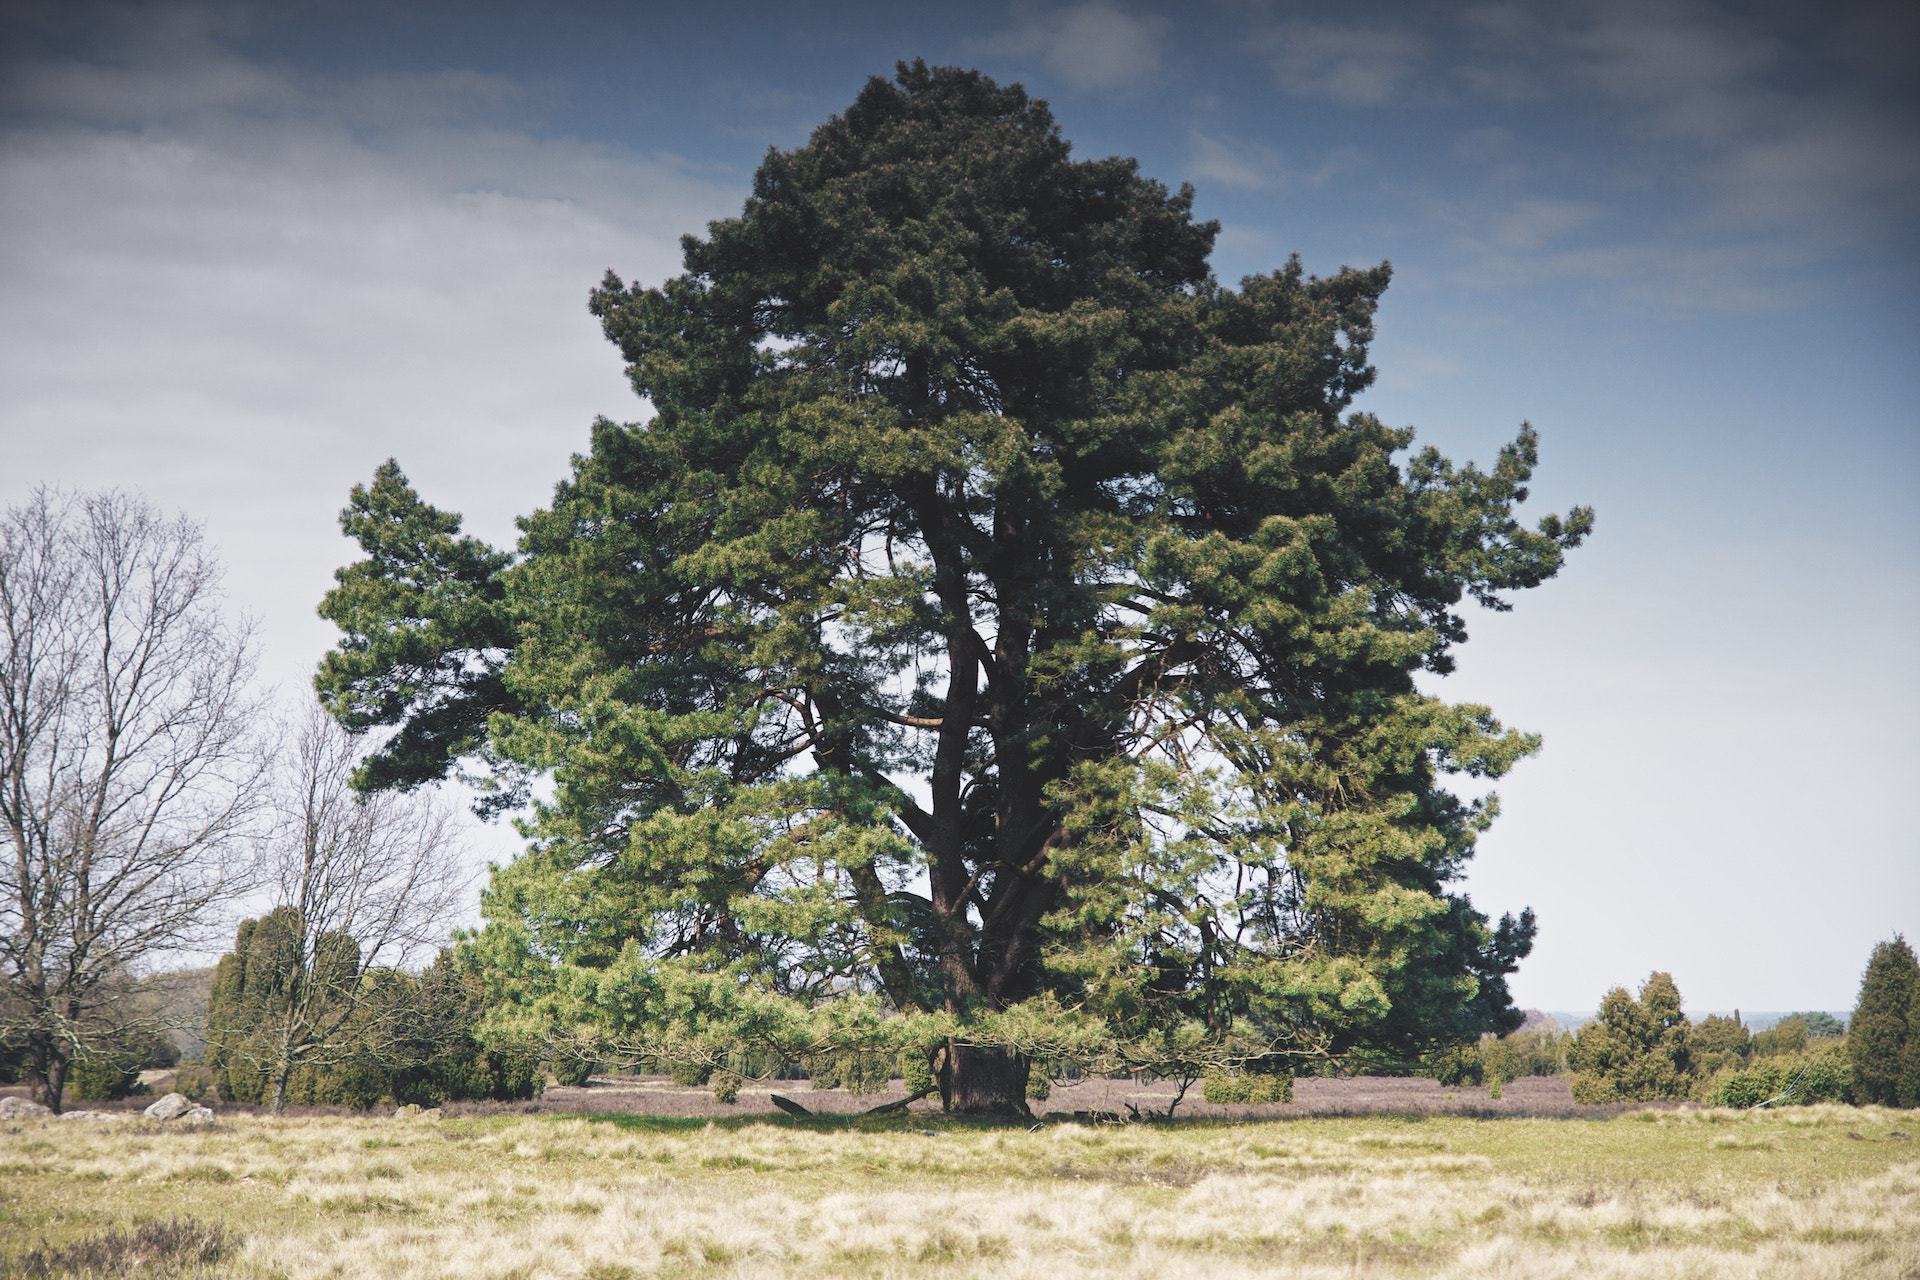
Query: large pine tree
{"points": [[1002, 637]]}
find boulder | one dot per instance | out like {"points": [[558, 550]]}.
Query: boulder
{"points": [[15, 1107], [197, 1115], [171, 1107], [88, 1115], [407, 1112]]}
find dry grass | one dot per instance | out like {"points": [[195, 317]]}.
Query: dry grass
{"points": [[1821, 1192]]}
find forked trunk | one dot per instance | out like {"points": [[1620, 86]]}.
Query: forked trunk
{"points": [[980, 1081]]}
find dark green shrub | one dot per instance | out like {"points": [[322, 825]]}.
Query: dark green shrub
{"points": [[1457, 1065], [1822, 1026], [916, 1071], [13, 1063], [405, 1038], [1539, 1050], [726, 1087], [1718, 1042], [688, 1075], [1881, 1026], [1226, 1088], [1784, 1079], [1634, 1050], [574, 1066], [1789, 1035], [104, 1077]]}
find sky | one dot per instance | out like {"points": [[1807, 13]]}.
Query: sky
{"points": [[247, 252]]}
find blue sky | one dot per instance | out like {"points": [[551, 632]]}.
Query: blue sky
{"points": [[251, 251]]}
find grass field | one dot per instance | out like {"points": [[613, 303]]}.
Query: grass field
{"points": [[1801, 1193]]}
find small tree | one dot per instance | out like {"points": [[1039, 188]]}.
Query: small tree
{"points": [[364, 882], [1718, 1041], [1635, 1050], [128, 769], [1536, 1050], [1821, 1025], [1881, 1027], [1789, 1035]]}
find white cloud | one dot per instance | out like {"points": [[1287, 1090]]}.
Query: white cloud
{"points": [[233, 299], [1777, 130], [1358, 66], [1094, 45], [1248, 166]]}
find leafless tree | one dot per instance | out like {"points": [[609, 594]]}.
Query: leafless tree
{"points": [[129, 763], [362, 882]]}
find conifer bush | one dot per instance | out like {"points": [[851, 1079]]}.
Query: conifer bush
{"points": [[689, 1075], [1538, 1050], [105, 1077], [1908, 1091], [1789, 1035], [1799, 1079], [1224, 1088], [1635, 1050], [1880, 1033], [1457, 1064], [1719, 1042], [410, 1039]]}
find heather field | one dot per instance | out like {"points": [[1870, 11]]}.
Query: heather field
{"points": [[1802, 1193]]}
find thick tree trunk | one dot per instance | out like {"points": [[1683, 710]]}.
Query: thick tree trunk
{"points": [[281, 1071], [977, 1081], [46, 1072]]}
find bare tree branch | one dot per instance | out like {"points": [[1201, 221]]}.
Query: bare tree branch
{"points": [[130, 769]]}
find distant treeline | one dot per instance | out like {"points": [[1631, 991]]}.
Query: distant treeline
{"points": [[1644, 1048]]}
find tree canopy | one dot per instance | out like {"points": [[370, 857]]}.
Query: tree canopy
{"points": [[1002, 636]]}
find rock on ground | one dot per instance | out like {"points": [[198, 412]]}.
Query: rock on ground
{"points": [[171, 1107], [15, 1107]]}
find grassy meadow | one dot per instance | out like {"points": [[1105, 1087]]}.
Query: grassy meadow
{"points": [[1801, 1193]]}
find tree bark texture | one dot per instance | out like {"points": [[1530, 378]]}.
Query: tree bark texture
{"points": [[976, 1080]]}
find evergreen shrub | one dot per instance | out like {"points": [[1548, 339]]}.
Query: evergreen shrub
{"points": [[1225, 1088], [1881, 1029], [1820, 1075], [406, 1038], [104, 1077], [1635, 1050]]}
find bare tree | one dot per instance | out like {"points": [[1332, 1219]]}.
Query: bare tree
{"points": [[129, 769], [361, 882]]}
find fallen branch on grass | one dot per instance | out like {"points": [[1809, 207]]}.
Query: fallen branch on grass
{"points": [[898, 1104]]}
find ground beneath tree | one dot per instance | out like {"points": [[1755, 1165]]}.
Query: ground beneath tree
{"points": [[1367, 1095]]}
